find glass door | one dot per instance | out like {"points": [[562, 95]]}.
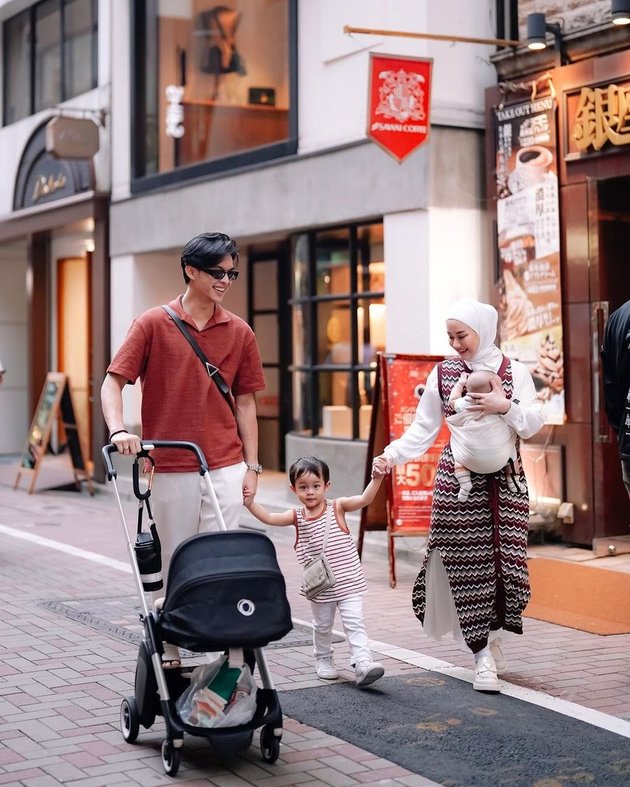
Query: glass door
{"points": [[268, 308]]}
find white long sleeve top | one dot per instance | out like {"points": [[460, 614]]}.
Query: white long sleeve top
{"points": [[524, 417]]}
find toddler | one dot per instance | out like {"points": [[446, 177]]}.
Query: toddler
{"points": [[481, 444], [310, 479]]}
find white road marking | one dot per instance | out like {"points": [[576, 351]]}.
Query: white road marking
{"points": [[566, 708], [69, 550]]}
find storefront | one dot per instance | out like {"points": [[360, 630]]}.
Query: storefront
{"points": [[55, 304], [572, 135]]}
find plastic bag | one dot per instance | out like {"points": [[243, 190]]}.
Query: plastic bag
{"points": [[199, 707]]}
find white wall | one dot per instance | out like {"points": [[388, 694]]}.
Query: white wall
{"points": [[120, 120], [333, 67], [14, 352]]}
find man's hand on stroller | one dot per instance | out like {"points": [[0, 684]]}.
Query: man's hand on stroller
{"points": [[127, 443]]}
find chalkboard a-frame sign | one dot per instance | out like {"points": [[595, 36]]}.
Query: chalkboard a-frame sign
{"points": [[55, 400]]}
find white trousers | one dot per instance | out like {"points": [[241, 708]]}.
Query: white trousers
{"points": [[351, 613], [182, 508]]}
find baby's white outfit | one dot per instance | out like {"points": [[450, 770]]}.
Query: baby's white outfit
{"points": [[483, 445]]}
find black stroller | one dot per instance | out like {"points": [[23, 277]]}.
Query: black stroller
{"points": [[224, 590]]}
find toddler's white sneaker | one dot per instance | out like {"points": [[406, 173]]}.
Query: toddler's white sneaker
{"points": [[367, 672], [326, 669]]}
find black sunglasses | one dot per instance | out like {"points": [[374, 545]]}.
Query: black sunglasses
{"points": [[220, 273]]}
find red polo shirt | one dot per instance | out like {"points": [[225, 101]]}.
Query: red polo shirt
{"points": [[179, 400]]}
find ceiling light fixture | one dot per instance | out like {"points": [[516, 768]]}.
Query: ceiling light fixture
{"points": [[620, 10], [537, 29]]}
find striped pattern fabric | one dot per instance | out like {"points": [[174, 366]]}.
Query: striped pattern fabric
{"points": [[341, 554], [483, 541]]}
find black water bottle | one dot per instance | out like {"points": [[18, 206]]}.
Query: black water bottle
{"points": [[149, 558]]}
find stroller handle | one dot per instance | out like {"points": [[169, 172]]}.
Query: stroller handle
{"points": [[150, 445]]}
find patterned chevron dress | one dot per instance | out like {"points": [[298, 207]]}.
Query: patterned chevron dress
{"points": [[483, 541]]}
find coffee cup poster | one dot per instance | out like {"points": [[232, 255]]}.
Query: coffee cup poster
{"points": [[530, 297]]}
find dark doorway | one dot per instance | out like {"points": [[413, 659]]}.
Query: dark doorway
{"points": [[609, 286], [269, 316]]}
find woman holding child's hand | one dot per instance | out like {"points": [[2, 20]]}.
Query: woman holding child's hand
{"points": [[473, 581]]}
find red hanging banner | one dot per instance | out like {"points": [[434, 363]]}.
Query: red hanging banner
{"points": [[399, 103]]}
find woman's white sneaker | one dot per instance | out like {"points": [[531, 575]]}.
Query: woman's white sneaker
{"points": [[497, 655], [486, 675]]}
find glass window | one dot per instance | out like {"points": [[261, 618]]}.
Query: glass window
{"points": [[338, 328], [78, 47], [217, 80], [17, 68], [49, 56]]}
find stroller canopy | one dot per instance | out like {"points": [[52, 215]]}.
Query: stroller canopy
{"points": [[224, 590]]}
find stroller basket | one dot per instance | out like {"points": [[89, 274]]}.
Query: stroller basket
{"points": [[224, 590]]}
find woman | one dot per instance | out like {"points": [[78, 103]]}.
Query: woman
{"points": [[474, 577]]}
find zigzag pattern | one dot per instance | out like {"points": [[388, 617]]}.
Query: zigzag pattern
{"points": [[482, 542]]}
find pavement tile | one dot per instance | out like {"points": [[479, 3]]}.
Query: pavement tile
{"points": [[333, 778], [21, 776], [75, 675], [390, 772]]}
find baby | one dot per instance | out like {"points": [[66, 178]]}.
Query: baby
{"points": [[480, 443]]}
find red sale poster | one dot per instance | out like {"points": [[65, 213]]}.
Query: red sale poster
{"points": [[410, 486]]}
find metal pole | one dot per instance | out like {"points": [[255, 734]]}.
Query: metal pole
{"points": [[431, 36]]}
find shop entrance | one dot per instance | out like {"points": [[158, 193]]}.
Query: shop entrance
{"points": [[74, 338], [609, 285]]}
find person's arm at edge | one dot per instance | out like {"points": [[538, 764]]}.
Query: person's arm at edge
{"points": [[609, 377], [112, 406], [356, 502], [283, 519]]}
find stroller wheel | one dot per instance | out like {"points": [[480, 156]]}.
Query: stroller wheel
{"points": [[170, 758], [129, 720], [269, 744]]}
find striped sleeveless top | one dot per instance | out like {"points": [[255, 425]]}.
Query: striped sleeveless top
{"points": [[341, 553]]}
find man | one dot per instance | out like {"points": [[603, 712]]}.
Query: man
{"points": [[181, 402], [616, 367]]}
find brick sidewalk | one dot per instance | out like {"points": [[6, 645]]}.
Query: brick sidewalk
{"points": [[61, 680]]}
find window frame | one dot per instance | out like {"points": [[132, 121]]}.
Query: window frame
{"points": [[354, 298], [204, 169], [30, 13]]}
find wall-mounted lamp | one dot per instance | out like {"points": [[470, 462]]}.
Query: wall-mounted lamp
{"points": [[620, 10], [537, 29]]}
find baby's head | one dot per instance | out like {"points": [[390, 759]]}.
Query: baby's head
{"points": [[309, 465], [479, 382]]}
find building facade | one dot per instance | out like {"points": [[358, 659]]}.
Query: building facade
{"points": [[54, 208], [567, 106], [345, 252]]}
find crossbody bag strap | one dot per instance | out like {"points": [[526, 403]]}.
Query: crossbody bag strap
{"points": [[212, 370], [328, 523]]}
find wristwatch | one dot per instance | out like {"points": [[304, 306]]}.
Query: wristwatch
{"points": [[256, 468]]}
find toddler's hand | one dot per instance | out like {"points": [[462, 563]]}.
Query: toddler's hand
{"points": [[380, 466]]}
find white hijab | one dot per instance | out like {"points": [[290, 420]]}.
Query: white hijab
{"points": [[482, 319]]}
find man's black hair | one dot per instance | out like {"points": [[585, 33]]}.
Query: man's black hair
{"points": [[309, 464], [207, 251]]}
